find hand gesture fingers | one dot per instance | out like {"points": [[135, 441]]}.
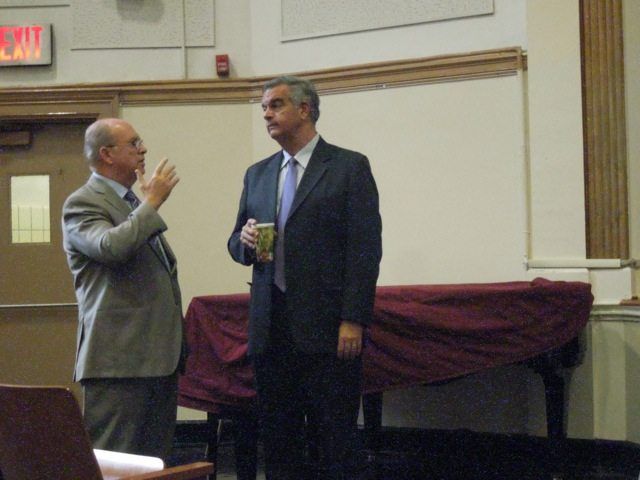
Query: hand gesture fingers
{"points": [[141, 180], [166, 173], [160, 167], [159, 187]]}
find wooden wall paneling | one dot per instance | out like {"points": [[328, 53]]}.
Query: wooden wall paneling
{"points": [[604, 130]]}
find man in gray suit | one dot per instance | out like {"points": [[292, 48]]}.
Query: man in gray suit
{"points": [[129, 342], [311, 305]]}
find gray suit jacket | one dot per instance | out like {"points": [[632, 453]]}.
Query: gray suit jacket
{"points": [[130, 314], [333, 247]]}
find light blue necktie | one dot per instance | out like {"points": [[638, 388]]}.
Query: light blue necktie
{"points": [[288, 193]]}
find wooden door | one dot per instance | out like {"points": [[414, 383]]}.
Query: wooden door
{"points": [[38, 315], [36, 273]]}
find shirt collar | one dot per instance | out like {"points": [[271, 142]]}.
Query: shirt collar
{"points": [[304, 155], [120, 189]]}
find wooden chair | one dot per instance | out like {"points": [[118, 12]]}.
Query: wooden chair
{"points": [[42, 436]]}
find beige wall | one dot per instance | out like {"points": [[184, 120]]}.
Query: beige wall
{"points": [[555, 130], [211, 148], [437, 192]]}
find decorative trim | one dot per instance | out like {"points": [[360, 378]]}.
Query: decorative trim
{"points": [[482, 64], [615, 313], [41, 306], [59, 105], [591, 263]]}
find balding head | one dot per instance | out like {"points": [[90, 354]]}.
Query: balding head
{"points": [[100, 134]]}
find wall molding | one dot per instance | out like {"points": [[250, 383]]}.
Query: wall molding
{"points": [[458, 67], [615, 313]]}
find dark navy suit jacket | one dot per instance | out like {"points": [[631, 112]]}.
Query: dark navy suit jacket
{"points": [[333, 247]]}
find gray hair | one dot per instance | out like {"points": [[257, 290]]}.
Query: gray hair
{"points": [[302, 91], [97, 135]]}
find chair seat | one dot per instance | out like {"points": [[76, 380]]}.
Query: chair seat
{"points": [[42, 436]]}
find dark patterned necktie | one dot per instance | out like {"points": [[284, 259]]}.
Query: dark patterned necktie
{"points": [[133, 199], [154, 241], [288, 193]]}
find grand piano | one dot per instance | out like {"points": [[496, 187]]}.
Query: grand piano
{"points": [[421, 334]]}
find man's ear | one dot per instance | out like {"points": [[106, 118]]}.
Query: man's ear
{"points": [[305, 110], [105, 155]]}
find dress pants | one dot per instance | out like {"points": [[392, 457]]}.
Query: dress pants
{"points": [[301, 393], [132, 415]]}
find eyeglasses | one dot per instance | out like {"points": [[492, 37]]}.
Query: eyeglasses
{"points": [[135, 143]]}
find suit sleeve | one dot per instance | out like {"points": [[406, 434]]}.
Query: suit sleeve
{"points": [[364, 244], [238, 251], [92, 231]]}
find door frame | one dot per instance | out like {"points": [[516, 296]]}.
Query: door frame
{"points": [[47, 108]]}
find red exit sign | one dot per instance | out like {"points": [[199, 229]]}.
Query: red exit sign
{"points": [[25, 45]]}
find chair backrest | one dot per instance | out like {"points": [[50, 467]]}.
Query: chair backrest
{"points": [[42, 435]]}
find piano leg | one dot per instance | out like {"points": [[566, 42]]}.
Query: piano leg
{"points": [[554, 390], [213, 422], [244, 425], [552, 367]]}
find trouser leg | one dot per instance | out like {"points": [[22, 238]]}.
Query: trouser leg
{"points": [[132, 415], [281, 417], [334, 393]]}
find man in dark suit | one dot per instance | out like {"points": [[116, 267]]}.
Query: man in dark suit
{"points": [[310, 305], [130, 315]]}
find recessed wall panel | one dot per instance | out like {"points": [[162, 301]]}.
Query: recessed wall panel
{"points": [[112, 24], [315, 18]]}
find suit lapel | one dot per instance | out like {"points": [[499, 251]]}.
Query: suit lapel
{"points": [[316, 168], [271, 186], [109, 195]]}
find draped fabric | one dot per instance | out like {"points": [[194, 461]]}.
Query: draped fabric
{"points": [[420, 334]]}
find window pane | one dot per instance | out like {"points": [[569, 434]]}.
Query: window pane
{"points": [[30, 221]]}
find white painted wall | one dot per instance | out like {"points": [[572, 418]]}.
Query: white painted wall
{"points": [[211, 148], [555, 130], [440, 197], [71, 66], [249, 32], [269, 56]]}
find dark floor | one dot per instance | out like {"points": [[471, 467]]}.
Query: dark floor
{"points": [[406, 454]]}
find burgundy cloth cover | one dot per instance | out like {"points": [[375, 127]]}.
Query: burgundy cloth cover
{"points": [[420, 334]]}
